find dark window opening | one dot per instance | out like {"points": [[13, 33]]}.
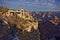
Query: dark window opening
{"points": [[17, 12], [22, 10], [12, 13]]}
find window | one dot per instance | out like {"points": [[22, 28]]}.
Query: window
{"points": [[27, 16], [21, 10], [12, 13], [17, 12]]}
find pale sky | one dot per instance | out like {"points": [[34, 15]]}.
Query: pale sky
{"points": [[33, 5]]}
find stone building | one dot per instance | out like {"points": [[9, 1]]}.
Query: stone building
{"points": [[25, 24], [23, 14]]}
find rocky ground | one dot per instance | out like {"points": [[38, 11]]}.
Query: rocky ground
{"points": [[10, 29], [13, 33]]}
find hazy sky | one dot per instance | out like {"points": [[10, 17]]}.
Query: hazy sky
{"points": [[33, 5]]}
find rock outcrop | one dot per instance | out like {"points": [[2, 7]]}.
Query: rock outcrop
{"points": [[26, 26]]}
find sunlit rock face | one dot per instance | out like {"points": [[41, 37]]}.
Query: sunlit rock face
{"points": [[13, 33], [55, 21], [25, 22], [19, 28]]}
